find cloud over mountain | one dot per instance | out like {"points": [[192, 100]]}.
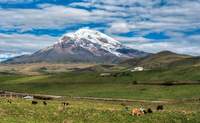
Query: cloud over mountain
{"points": [[151, 24]]}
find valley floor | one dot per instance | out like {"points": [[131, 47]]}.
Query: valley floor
{"points": [[78, 87]]}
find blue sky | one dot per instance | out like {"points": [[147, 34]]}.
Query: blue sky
{"points": [[148, 25]]}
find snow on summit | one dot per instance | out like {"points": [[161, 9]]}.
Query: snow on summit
{"points": [[91, 39], [92, 35]]}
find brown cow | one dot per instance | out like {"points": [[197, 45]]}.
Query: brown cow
{"points": [[137, 112]]}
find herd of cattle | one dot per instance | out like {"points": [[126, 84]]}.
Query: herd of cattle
{"points": [[34, 102], [134, 111], [142, 111], [45, 103]]}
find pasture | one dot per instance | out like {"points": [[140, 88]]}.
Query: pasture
{"points": [[83, 111], [178, 87], [90, 84]]}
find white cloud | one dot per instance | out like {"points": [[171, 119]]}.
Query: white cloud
{"points": [[127, 13], [149, 14], [119, 27], [47, 17], [182, 44], [17, 1], [132, 40], [119, 16], [25, 42], [170, 46]]}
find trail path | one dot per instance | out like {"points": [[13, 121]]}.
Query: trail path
{"points": [[43, 96]]}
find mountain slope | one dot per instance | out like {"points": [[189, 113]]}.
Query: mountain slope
{"points": [[187, 62], [161, 59], [83, 45]]}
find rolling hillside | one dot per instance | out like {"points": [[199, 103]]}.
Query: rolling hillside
{"points": [[160, 60]]}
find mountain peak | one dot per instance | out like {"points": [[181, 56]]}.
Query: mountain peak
{"points": [[84, 45], [91, 40], [90, 35]]}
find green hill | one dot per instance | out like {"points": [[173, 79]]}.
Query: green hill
{"points": [[159, 60]]}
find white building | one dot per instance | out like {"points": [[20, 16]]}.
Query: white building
{"points": [[137, 69], [28, 97], [105, 74]]}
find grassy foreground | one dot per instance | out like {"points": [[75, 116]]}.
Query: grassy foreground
{"points": [[22, 111]]}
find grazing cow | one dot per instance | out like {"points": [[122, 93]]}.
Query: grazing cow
{"points": [[145, 112], [159, 107], [34, 102], [2, 92], [44, 102], [137, 112], [149, 110], [123, 104], [65, 103], [9, 101]]}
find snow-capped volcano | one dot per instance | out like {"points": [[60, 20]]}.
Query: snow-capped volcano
{"points": [[92, 40], [83, 45], [93, 36]]}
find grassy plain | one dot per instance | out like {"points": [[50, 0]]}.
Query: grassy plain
{"points": [[81, 81], [138, 85], [22, 111]]}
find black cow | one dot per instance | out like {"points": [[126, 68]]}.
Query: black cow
{"points": [[123, 104], [149, 110], [34, 102], [160, 107], [44, 102], [9, 101], [65, 103]]}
